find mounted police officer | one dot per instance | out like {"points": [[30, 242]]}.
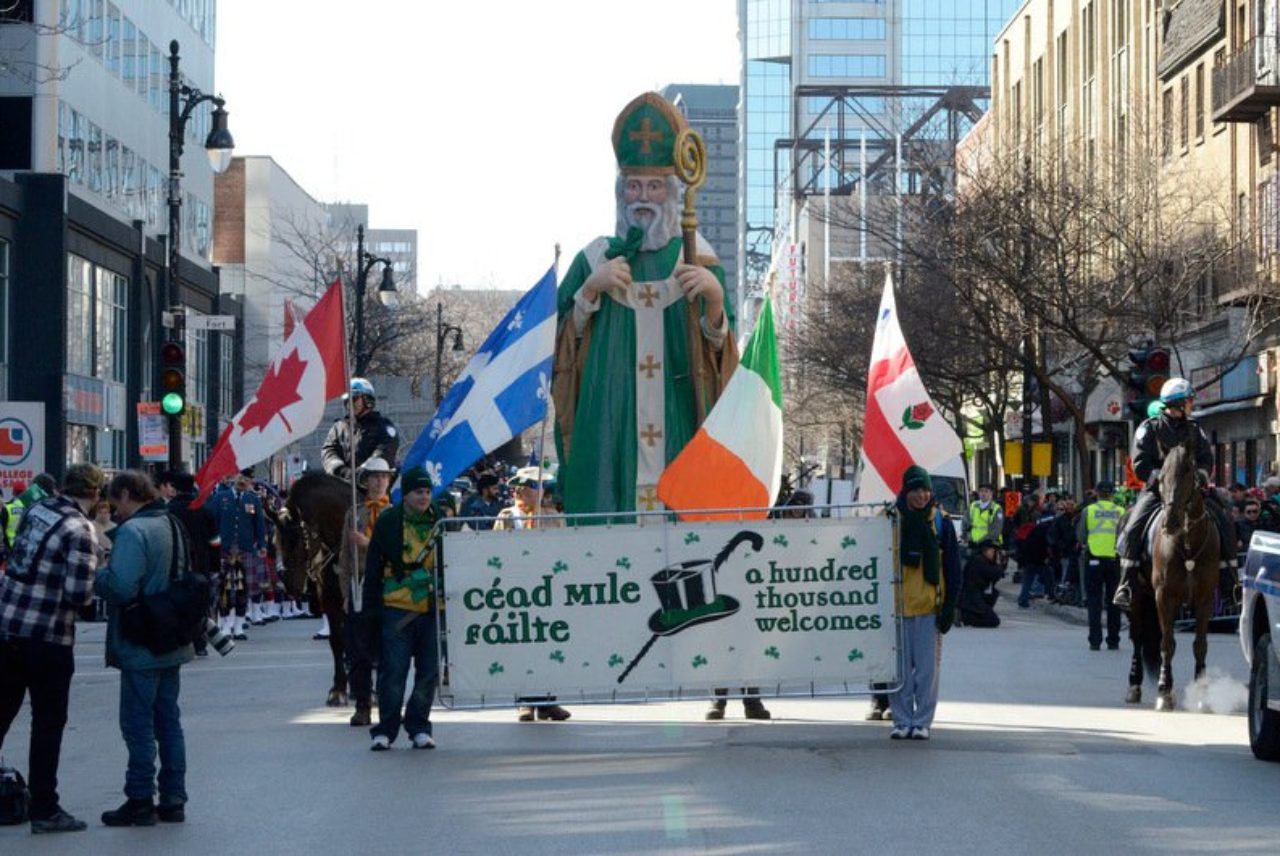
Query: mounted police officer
{"points": [[374, 434], [1154, 439]]}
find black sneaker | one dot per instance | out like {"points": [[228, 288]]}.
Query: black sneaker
{"points": [[174, 813], [716, 711], [59, 821], [132, 813], [755, 709]]}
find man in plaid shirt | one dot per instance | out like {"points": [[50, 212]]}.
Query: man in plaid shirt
{"points": [[49, 581]]}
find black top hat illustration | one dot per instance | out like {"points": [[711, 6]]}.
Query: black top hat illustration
{"points": [[687, 596]]}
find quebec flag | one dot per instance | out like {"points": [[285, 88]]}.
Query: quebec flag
{"points": [[502, 391]]}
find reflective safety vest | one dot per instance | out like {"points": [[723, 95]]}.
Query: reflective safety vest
{"points": [[15, 508], [981, 520], [1102, 523]]}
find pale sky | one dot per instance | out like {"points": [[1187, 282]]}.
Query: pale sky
{"points": [[484, 125]]}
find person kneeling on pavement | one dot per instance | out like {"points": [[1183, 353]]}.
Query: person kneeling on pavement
{"points": [[978, 594], [399, 592]]}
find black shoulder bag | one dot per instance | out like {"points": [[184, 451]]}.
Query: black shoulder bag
{"points": [[167, 620]]}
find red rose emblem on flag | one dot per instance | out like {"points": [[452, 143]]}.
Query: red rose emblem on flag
{"points": [[914, 417]]}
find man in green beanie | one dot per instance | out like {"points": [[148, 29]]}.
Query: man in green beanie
{"points": [[399, 590], [930, 555]]}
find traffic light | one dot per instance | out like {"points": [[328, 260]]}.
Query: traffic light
{"points": [[173, 378], [1148, 371]]}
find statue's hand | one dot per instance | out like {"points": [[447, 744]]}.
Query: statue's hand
{"points": [[699, 282], [615, 273]]}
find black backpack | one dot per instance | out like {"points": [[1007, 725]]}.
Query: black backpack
{"points": [[167, 620], [15, 799]]}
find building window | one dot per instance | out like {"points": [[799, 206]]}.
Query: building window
{"points": [[1184, 113], [79, 316], [1219, 60], [1166, 122], [847, 29], [97, 321], [841, 65], [1200, 103], [226, 376], [4, 319]]}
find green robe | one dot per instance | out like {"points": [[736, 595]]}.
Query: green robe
{"points": [[596, 381]]}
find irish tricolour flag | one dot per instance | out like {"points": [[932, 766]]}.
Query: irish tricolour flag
{"points": [[735, 459], [902, 426]]}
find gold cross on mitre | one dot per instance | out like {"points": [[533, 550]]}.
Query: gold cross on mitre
{"points": [[649, 366], [649, 499], [645, 136]]}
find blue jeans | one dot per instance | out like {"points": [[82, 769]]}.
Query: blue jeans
{"points": [[1030, 572], [406, 635], [150, 720]]}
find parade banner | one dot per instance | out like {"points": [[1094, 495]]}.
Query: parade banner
{"points": [[666, 610]]}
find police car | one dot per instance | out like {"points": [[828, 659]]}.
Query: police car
{"points": [[1259, 635]]}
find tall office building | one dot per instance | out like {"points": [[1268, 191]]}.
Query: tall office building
{"points": [[84, 159], [830, 45], [712, 111]]}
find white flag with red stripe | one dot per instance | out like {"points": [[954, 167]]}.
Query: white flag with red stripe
{"points": [[308, 371], [901, 426]]}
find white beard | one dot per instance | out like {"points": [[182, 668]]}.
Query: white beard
{"points": [[662, 226]]}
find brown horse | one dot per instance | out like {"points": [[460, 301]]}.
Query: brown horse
{"points": [[309, 535], [1184, 569]]}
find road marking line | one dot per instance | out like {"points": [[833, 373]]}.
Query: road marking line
{"points": [[673, 816]]}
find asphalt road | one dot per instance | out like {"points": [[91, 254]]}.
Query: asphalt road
{"points": [[1033, 751]]}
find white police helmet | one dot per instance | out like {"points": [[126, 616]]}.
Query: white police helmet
{"points": [[360, 386], [1176, 390]]}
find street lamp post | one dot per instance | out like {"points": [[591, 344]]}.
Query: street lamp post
{"points": [[183, 100], [442, 332], [386, 293]]}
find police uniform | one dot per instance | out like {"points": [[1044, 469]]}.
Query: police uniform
{"points": [[982, 523], [1099, 528], [375, 435]]}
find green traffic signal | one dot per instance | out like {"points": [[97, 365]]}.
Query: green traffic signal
{"points": [[172, 404]]}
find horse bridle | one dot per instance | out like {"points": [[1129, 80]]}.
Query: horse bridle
{"points": [[319, 556]]}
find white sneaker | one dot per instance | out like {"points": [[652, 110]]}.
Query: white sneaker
{"points": [[423, 741], [380, 743], [920, 733], [899, 733]]}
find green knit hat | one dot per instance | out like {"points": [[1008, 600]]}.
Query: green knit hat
{"points": [[414, 478], [644, 136], [914, 477]]}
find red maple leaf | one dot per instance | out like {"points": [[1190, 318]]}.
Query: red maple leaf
{"points": [[921, 412], [279, 389]]}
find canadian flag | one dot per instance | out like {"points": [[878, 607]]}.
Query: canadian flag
{"points": [[308, 371], [901, 426]]}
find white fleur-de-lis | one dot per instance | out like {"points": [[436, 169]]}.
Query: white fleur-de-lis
{"points": [[435, 471], [437, 426], [544, 386], [517, 322]]}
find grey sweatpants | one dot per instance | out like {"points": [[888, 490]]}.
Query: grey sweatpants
{"points": [[913, 706]]}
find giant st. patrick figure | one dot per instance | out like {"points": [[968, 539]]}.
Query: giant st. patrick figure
{"points": [[644, 344]]}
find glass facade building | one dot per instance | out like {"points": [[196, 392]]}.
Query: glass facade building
{"points": [[790, 43]]}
